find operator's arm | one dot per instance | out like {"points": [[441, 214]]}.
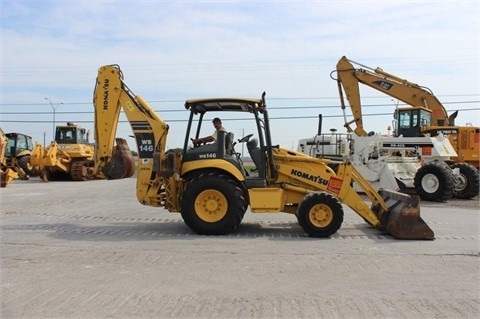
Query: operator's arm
{"points": [[207, 139], [203, 140]]}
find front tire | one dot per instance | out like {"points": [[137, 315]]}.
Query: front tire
{"points": [[468, 186], [434, 182], [320, 214], [212, 204]]}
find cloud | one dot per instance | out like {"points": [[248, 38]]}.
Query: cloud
{"points": [[179, 50]]}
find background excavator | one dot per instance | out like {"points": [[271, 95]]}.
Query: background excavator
{"points": [[423, 124], [426, 114], [15, 152], [72, 157], [210, 187]]}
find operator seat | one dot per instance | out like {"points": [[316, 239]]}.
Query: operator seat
{"points": [[256, 155], [229, 150]]}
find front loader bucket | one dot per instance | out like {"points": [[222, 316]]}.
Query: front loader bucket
{"points": [[122, 164], [402, 220]]}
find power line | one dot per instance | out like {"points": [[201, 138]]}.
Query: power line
{"points": [[233, 119], [269, 99], [270, 108]]}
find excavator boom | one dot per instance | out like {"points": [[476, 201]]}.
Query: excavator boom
{"points": [[401, 89]]}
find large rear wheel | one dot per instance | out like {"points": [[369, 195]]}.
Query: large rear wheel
{"points": [[320, 214], [24, 164], [434, 182], [212, 204], [468, 181]]}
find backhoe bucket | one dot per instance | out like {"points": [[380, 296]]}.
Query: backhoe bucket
{"points": [[7, 176], [402, 220], [122, 164]]}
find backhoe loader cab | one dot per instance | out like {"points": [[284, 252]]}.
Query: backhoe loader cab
{"points": [[18, 145], [202, 111]]}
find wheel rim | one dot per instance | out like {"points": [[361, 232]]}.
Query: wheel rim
{"points": [[430, 183], [320, 215], [461, 183], [211, 206]]}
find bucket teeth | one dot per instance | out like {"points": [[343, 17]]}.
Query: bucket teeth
{"points": [[402, 220]]}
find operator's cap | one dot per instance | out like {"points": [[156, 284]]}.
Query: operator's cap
{"points": [[216, 120]]}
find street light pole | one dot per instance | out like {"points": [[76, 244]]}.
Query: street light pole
{"points": [[54, 107]]}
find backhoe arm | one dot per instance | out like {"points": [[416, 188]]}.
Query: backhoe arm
{"points": [[154, 166]]}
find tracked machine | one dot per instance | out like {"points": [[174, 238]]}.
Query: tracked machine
{"points": [[72, 157], [209, 186]]}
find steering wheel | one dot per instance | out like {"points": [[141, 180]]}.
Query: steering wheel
{"points": [[195, 145], [245, 138]]}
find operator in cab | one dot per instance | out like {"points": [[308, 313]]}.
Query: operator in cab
{"points": [[217, 123]]}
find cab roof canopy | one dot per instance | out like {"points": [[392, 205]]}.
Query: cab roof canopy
{"points": [[201, 106]]}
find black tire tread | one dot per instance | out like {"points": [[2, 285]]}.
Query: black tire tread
{"points": [[236, 204], [308, 202], [444, 175], [472, 177]]}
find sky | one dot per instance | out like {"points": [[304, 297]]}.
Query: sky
{"points": [[171, 51]]}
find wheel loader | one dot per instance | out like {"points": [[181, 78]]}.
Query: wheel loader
{"points": [[15, 155], [211, 188], [71, 157]]}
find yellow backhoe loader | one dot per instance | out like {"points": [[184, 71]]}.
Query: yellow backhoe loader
{"points": [[15, 152], [209, 185]]}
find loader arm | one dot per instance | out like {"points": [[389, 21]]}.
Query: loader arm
{"points": [[111, 95], [349, 77], [392, 212]]}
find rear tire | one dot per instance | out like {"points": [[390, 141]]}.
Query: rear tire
{"points": [[469, 181], [212, 204], [320, 214], [24, 163], [434, 182]]}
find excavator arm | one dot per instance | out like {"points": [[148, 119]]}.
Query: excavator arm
{"points": [[349, 77], [156, 169]]}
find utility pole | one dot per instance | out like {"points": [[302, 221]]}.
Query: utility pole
{"points": [[54, 107]]}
